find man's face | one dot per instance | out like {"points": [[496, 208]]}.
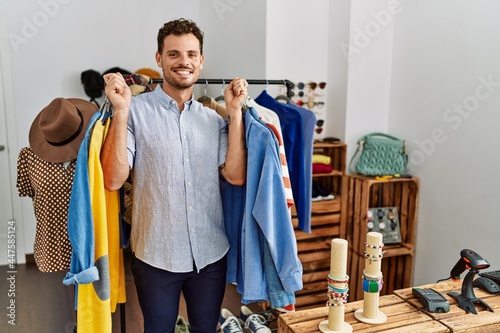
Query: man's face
{"points": [[181, 60]]}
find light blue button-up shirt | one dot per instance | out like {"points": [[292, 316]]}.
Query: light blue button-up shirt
{"points": [[259, 213], [177, 217]]}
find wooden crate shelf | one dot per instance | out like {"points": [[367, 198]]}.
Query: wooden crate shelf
{"points": [[313, 293], [337, 152], [367, 192], [323, 206], [327, 206], [362, 193]]}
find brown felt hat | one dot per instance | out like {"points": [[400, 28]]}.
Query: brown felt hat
{"points": [[58, 130], [149, 72]]}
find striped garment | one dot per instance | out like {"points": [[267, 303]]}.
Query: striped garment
{"points": [[284, 167]]}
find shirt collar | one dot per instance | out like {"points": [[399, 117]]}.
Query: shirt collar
{"points": [[168, 101]]}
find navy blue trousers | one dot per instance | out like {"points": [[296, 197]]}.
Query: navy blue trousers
{"points": [[159, 293]]}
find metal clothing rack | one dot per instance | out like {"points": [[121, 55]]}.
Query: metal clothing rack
{"points": [[289, 84]]}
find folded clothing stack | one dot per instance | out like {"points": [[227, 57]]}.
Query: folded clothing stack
{"points": [[321, 164]]}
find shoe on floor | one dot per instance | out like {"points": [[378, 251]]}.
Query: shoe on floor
{"points": [[253, 321], [229, 323], [288, 308], [181, 326]]}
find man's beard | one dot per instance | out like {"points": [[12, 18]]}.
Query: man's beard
{"points": [[178, 85]]}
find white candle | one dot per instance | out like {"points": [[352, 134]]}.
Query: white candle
{"points": [[338, 259], [338, 268], [373, 269]]}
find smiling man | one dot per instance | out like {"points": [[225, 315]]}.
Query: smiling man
{"points": [[175, 149]]}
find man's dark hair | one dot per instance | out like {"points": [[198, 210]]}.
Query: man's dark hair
{"points": [[179, 27]]}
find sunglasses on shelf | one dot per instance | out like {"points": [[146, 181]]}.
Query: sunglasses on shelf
{"points": [[311, 104], [320, 85], [319, 124], [319, 104], [313, 85]]}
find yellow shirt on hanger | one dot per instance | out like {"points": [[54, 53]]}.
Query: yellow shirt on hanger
{"points": [[96, 301]]}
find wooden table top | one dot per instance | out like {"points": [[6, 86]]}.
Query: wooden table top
{"points": [[405, 314]]}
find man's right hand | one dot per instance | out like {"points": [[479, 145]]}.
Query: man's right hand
{"points": [[117, 91], [114, 151]]}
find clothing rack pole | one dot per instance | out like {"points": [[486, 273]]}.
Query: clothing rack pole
{"points": [[289, 85]]}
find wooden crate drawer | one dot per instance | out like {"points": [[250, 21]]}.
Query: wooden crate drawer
{"points": [[322, 207], [310, 300], [315, 270], [318, 221], [313, 256], [330, 230], [326, 206], [335, 150], [313, 293], [317, 244]]}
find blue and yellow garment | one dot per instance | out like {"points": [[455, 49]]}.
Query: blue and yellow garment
{"points": [[96, 267]]}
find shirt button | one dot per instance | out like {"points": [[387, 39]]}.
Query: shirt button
{"points": [[187, 159], [189, 183]]}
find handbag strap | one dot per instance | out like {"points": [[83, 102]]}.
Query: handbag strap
{"points": [[371, 135], [351, 170]]}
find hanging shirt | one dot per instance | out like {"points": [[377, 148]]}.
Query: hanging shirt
{"points": [[80, 223], [49, 186], [265, 219], [308, 125], [293, 139], [284, 167], [212, 104], [267, 115], [106, 216], [97, 261]]}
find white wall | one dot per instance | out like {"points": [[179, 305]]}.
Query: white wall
{"points": [[297, 49], [443, 52], [235, 34], [295, 40], [339, 18], [408, 75], [369, 69]]}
